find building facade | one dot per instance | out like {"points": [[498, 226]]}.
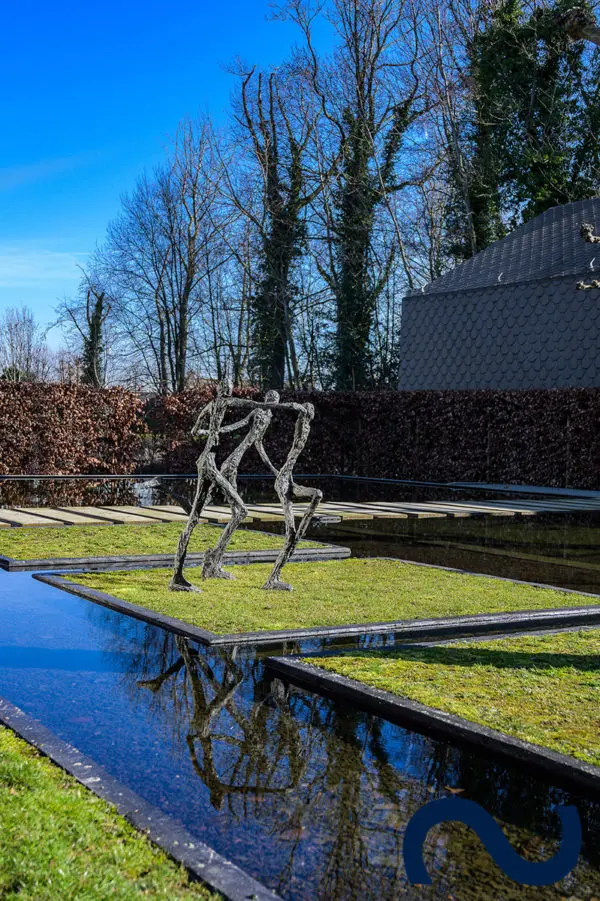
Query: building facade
{"points": [[511, 317]]}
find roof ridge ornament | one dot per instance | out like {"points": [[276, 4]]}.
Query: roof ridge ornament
{"points": [[587, 233]]}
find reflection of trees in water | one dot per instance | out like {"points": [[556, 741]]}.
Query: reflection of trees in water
{"points": [[353, 804], [238, 750], [332, 788], [372, 798], [521, 799]]}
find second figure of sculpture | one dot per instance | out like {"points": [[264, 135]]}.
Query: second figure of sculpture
{"points": [[211, 477]]}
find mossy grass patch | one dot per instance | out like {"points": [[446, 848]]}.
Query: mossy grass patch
{"points": [[122, 540], [544, 689], [58, 840], [332, 593]]}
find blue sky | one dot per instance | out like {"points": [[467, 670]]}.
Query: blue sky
{"points": [[91, 92]]}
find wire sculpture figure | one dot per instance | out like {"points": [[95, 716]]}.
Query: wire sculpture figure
{"points": [[213, 478]]}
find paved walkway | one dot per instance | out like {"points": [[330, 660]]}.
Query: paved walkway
{"points": [[64, 516]]}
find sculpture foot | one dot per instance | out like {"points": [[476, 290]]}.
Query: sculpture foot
{"points": [[213, 569], [276, 585], [216, 573], [181, 584]]}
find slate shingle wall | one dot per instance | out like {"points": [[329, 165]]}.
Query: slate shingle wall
{"points": [[537, 334], [546, 247]]}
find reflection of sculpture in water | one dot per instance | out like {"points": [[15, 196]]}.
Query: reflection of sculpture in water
{"points": [[259, 760], [224, 479]]}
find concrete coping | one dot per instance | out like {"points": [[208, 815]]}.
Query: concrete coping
{"points": [[155, 561], [420, 630]]}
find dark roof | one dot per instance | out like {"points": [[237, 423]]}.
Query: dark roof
{"points": [[546, 247]]}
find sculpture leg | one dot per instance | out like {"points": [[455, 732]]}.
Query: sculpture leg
{"points": [[292, 534], [274, 583], [213, 559], [178, 581], [316, 496]]}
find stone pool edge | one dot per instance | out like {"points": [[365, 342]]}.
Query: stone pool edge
{"points": [[443, 627], [448, 726], [215, 871], [156, 561]]}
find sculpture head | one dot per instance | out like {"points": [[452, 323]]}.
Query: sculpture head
{"points": [[225, 388], [310, 411], [272, 397]]}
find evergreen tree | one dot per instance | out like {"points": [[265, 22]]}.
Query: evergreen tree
{"points": [[532, 135], [279, 116], [356, 285], [92, 372]]}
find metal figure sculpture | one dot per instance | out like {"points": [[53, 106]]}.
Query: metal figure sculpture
{"points": [[224, 479], [210, 477], [287, 490], [259, 421]]}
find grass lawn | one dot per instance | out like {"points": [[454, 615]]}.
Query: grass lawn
{"points": [[543, 689], [122, 540], [59, 841], [332, 593]]}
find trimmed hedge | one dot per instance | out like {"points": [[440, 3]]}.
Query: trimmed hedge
{"points": [[545, 437], [170, 419], [56, 429]]}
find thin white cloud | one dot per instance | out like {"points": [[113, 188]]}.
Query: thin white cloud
{"points": [[12, 177], [28, 267]]}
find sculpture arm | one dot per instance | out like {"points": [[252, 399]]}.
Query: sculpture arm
{"points": [[243, 403], [196, 431], [292, 407], [264, 457], [236, 426]]}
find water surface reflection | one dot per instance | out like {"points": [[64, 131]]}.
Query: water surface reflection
{"points": [[307, 794]]}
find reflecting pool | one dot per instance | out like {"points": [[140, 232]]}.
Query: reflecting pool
{"points": [[308, 795]]}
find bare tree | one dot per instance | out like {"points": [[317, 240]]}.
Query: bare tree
{"points": [[276, 116], [24, 354], [372, 95], [220, 341], [153, 262]]}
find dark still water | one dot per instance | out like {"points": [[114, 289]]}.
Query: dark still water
{"points": [[557, 549], [308, 795]]}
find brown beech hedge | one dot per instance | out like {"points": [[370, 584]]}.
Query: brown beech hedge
{"points": [[545, 437], [54, 429]]}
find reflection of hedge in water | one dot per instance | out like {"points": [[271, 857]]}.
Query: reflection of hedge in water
{"points": [[65, 492], [547, 437]]}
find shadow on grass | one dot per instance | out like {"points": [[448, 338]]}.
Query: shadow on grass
{"points": [[499, 659]]}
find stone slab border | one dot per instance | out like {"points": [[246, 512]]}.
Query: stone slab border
{"points": [[428, 720], [155, 561], [178, 626], [488, 624], [470, 572], [218, 873]]}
